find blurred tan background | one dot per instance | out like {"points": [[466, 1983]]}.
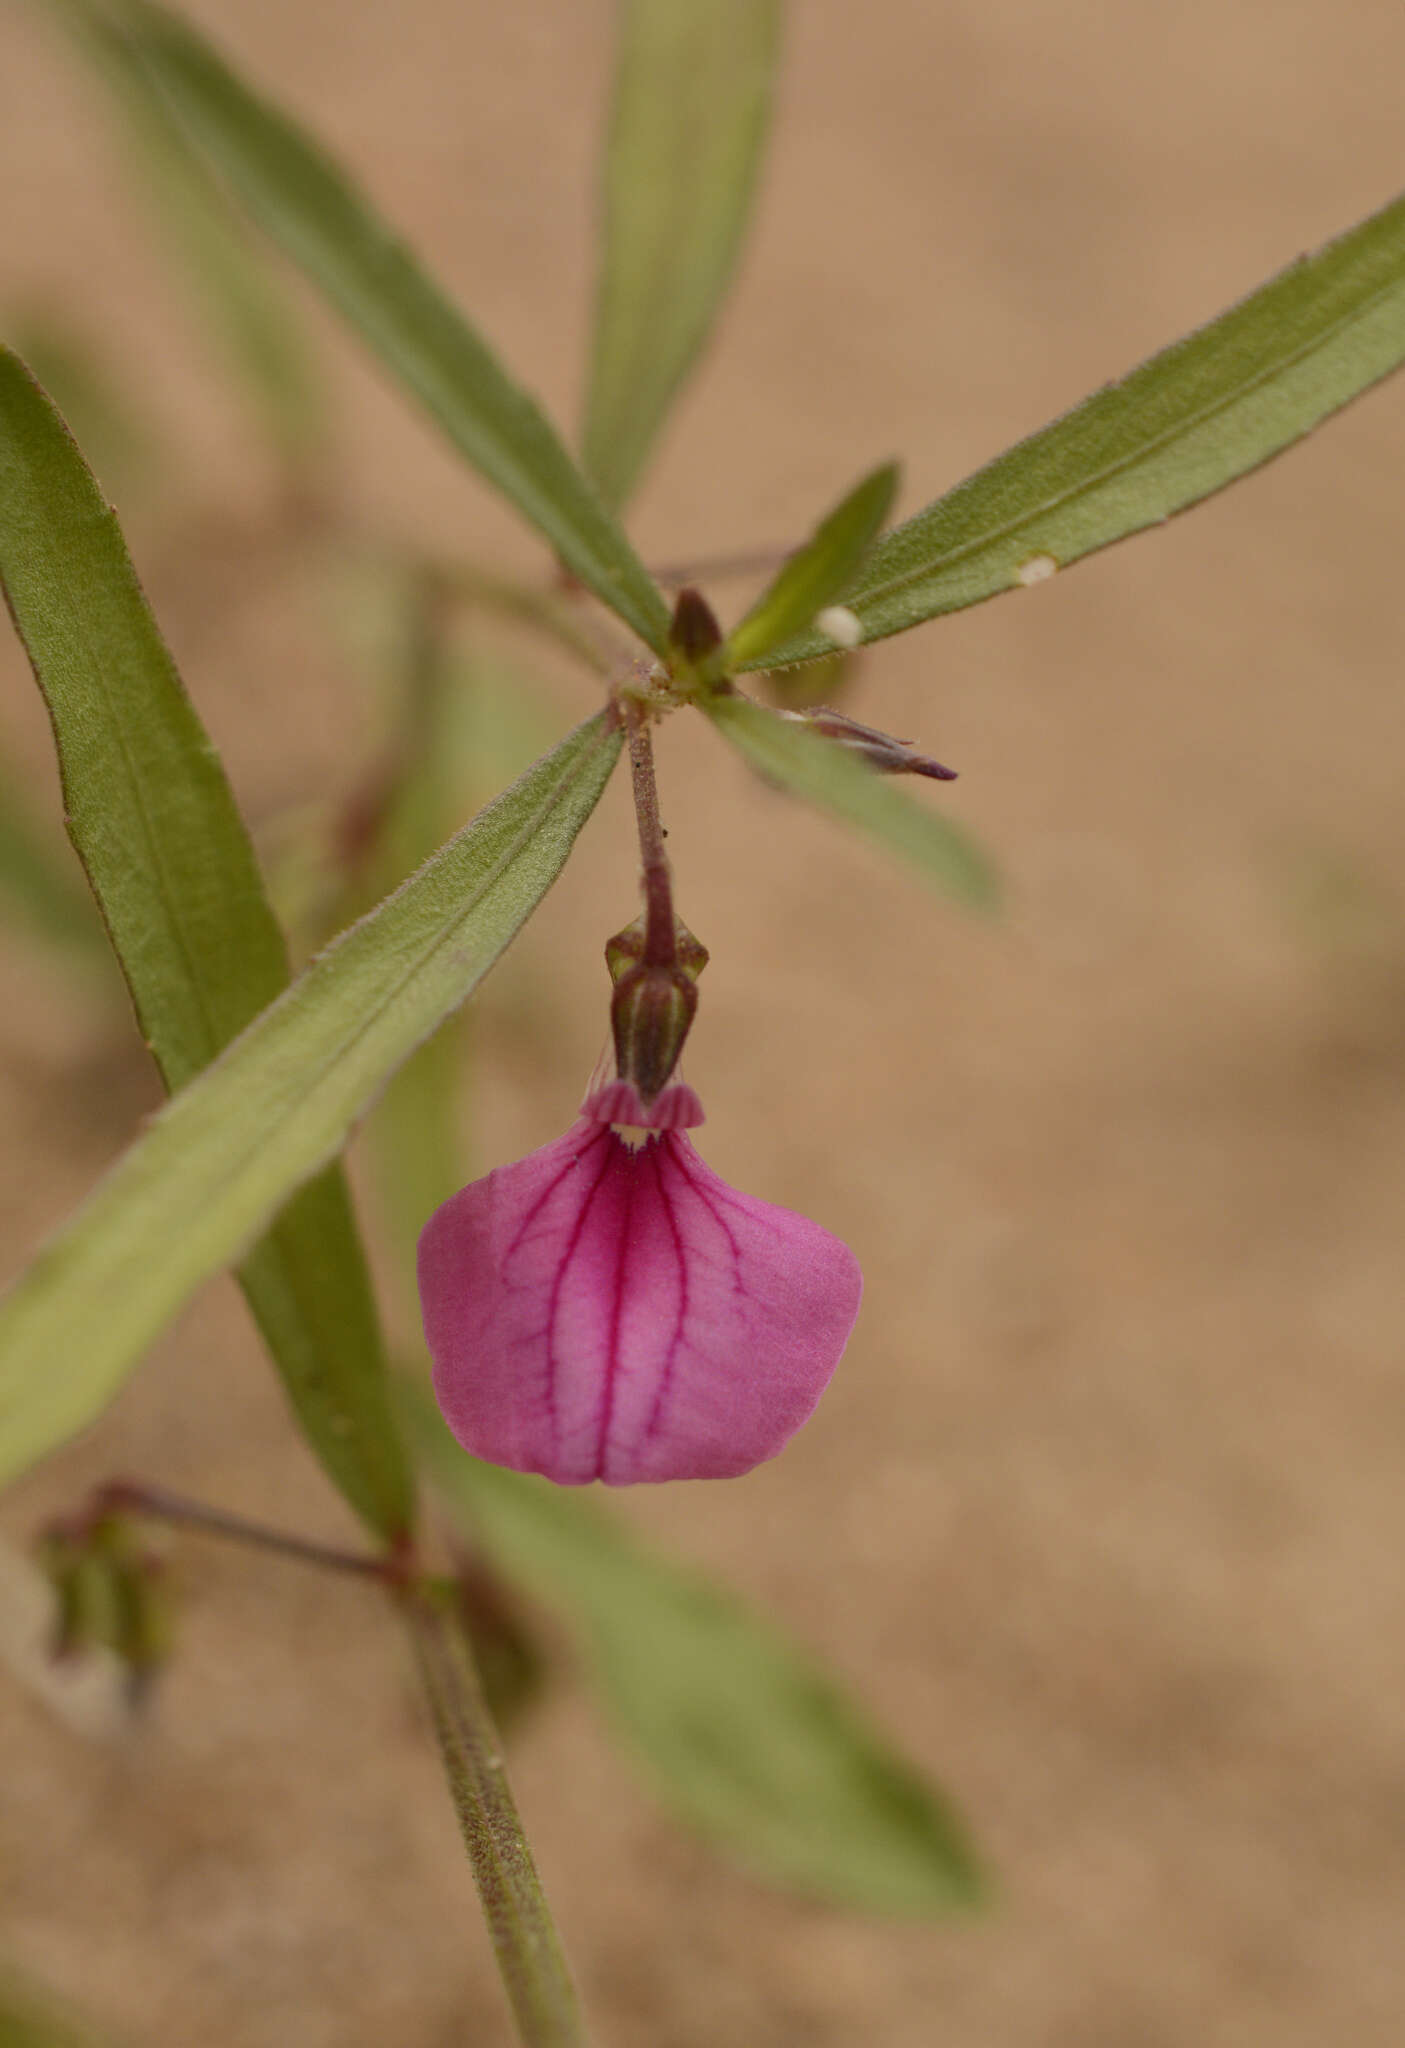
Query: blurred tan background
{"points": [[1103, 1516]]}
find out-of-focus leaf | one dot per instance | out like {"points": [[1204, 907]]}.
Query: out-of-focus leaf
{"points": [[251, 318], [415, 1147], [745, 1737], [39, 885], [121, 439], [456, 726], [1190, 420], [413, 1131], [512, 1663], [692, 101], [163, 845], [497, 718], [300, 197], [817, 574], [31, 2018], [225, 1154], [827, 681], [488, 721], [828, 776]]}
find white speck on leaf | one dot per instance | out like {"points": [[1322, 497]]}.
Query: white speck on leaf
{"points": [[1038, 569], [840, 624]]}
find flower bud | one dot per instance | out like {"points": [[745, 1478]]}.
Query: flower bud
{"points": [[110, 1594], [653, 1006], [650, 1015], [695, 638], [888, 755], [144, 1621], [79, 1589]]}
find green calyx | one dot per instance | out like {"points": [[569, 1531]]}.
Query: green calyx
{"points": [[654, 1003]]}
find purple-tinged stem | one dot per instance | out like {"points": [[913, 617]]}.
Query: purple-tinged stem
{"points": [[526, 1946], [660, 932], [129, 1496], [716, 568]]}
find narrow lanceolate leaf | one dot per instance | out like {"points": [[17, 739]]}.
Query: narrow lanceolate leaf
{"points": [[302, 198], [156, 827], [833, 779], [1206, 410], [525, 1942], [745, 1738], [225, 1154], [818, 574], [692, 100]]}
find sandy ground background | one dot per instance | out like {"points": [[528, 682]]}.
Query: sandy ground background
{"points": [[1103, 1516]]}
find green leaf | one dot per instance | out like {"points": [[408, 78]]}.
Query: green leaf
{"points": [[157, 830], [300, 197], [1206, 410], [825, 774], [222, 1157], [746, 1738], [692, 102], [819, 573]]}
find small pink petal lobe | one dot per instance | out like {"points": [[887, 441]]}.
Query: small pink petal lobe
{"points": [[605, 1311], [675, 1108]]}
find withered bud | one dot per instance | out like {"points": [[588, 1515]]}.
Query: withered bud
{"points": [[655, 1001], [651, 1013], [68, 1569], [110, 1593], [694, 635], [890, 756]]}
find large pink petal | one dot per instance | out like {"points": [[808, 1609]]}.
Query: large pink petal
{"points": [[597, 1312]]}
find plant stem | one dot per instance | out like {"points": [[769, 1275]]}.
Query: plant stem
{"points": [[520, 1926], [526, 1946], [716, 568], [128, 1496], [660, 934]]}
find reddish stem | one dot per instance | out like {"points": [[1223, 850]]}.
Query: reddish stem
{"points": [[129, 1496], [660, 932]]}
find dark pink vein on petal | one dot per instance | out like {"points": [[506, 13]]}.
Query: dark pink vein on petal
{"points": [[700, 1184], [631, 1166], [675, 1341], [559, 1277], [549, 1190]]}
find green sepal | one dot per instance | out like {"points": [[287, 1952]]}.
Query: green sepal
{"points": [[817, 575]]}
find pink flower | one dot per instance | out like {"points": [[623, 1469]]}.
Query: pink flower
{"points": [[609, 1308]]}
